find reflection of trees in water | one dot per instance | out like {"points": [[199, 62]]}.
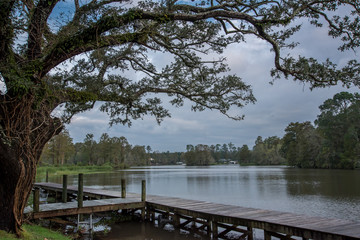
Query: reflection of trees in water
{"points": [[136, 230], [217, 185], [328, 183]]}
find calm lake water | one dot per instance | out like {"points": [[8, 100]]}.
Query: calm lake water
{"points": [[326, 193]]}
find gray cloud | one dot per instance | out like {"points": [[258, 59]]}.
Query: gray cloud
{"points": [[277, 105]]}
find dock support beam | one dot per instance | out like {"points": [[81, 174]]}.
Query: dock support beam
{"points": [[208, 228], [36, 200], [64, 190], [80, 193], [176, 219], [143, 198], [214, 228], [250, 233], [123, 188], [143, 190], [267, 235], [80, 190]]}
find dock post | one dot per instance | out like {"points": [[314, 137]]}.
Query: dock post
{"points": [[148, 216], [143, 198], [152, 215], [267, 235], [80, 190], [123, 194], [123, 188], [64, 190], [80, 193], [250, 233], [143, 190], [208, 228], [36, 200], [214, 228], [47, 175], [176, 220]]}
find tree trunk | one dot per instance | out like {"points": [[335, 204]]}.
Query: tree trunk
{"points": [[24, 131], [17, 174]]}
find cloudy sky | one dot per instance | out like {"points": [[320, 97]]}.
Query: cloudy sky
{"points": [[277, 105]]}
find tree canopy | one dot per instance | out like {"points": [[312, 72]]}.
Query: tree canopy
{"points": [[64, 56], [334, 143], [81, 55]]}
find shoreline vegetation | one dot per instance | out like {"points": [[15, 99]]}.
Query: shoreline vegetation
{"points": [[75, 169], [331, 142]]}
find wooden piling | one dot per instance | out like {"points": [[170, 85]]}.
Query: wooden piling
{"points": [[148, 216], [143, 198], [80, 190], [152, 215], [250, 233], [176, 219], [143, 190], [80, 194], [47, 176], [267, 235], [208, 228], [214, 228], [64, 190], [36, 200], [123, 188]]}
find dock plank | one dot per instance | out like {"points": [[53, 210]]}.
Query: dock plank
{"points": [[292, 222]]}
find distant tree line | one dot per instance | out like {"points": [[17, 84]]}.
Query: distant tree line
{"points": [[166, 158], [116, 151], [332, 142], [264, 152]]}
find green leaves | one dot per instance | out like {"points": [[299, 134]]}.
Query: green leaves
{"points": [[334, 143], [112, 53]]}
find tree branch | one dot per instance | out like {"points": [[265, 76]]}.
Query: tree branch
{"points": [[6, 29], [86, 42], [37, 27]]}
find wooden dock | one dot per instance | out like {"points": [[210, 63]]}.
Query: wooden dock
{"points": [[88, 192], [213, 216], [89, 207], [212, 219]]}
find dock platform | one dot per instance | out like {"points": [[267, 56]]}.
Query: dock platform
{"points": [[212, 219]]}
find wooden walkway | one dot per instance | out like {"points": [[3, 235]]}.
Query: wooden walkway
{"points": [[89, 192], [91, 206], [105, 201], [278, 224], [215, 220]]}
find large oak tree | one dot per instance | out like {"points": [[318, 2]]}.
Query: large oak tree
{"points": [[69, 61]]}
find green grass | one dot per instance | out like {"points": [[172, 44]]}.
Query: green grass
{"points": [[73, 169], [34, 232]]}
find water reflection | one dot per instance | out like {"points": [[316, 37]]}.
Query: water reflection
{"points": [[327, 193], [330, 183], [136, 231]]}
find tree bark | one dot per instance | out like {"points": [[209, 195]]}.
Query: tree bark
{"points": [[24, 131], [18, 174]]}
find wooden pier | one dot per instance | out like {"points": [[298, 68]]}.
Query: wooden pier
{"points": [[211, 219], [89, 207]]}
